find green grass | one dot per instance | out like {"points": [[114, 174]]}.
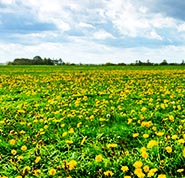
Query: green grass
{"points": [[82, 121]]}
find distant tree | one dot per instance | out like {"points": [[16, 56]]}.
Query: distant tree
{"points": [[183, 62], [109, 64], [60, 62], [22, 61], [173, 64], [121, 64], [164, 62], [67, 63], [38, 60], [140, 63], [148, 63], [48, 61]]}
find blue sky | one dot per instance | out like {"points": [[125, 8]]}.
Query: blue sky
{"points": [[93, 31]]}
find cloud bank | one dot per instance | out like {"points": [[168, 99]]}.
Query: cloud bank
{"points": [[93, 31]]}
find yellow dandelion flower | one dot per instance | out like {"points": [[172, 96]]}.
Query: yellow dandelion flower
{"points": [[171, 118], [69, 142], [146, 168], [52, 171], [25, 170], [19, 158], [152, 172], [129, 121], [152, 143], [62, 125], [38, 158], [22, 132], [71, 131], [143, 149], [127, 177], [46, 127], [135, 135], [24, 148], [139, 173], [163, 106], [65, 165], [14, 152], [145, 135], [168, 149], [144, 154], [143, 109], [180, 170], [124, 168], [174, 137], [98, 158], [126, 153], [12, 142], [183, 152], [64, 134], [159, 134], [181, 141], [91, 117], [79, 124], [112, 145], [149, 124], [161, 176], [36, 172], [180, 126], [102, 120], [108, 173], [138, 164], [18, 177], [72, 164], [154, 128]]}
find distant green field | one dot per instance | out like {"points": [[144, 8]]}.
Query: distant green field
{"points": [[91, 67], [92, 121]]}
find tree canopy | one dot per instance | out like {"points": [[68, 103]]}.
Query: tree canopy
{"points": [[37, 60]]}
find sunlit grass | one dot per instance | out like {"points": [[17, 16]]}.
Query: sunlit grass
{"points": [[92, 122]]}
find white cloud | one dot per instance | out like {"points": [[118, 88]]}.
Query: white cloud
{"points": [[154, 35], [143, 9], [62, 26], [102, 35], [85, 25], [52, 12], [34, 36], [158, 21], [137, 21], [80, 52], [7, 2], [181, 28], [127, 18]]}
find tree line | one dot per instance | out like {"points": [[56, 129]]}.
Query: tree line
{"points": [[148, 63], [37, 60]]}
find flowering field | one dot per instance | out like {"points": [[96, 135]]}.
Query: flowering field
{"points": [[92, 122]]}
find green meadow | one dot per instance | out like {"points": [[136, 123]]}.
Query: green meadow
{"points": [[92, 121]]}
